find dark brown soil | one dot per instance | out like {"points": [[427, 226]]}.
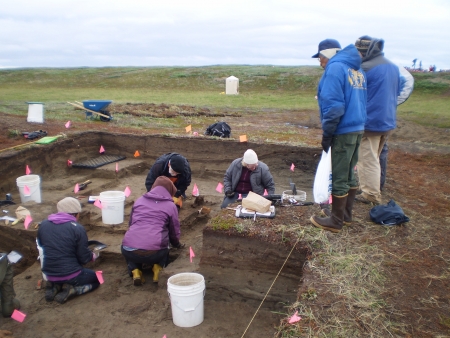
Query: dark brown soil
{"points": [[416, 292]]}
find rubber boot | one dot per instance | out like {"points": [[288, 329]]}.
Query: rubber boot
{"points": [[335, 222], [138, 279], [66, 292], [9, 307], [51, 289], [156, 270], [348, 218]]}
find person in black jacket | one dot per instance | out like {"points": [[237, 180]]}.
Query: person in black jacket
{"points": [[176, 168], [64, 246]]}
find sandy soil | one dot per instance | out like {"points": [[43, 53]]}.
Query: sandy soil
{"points": [[417, 179]]}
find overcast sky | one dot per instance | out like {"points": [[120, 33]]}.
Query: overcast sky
{"points": [[97, 33]]}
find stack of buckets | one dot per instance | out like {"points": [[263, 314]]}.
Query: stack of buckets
{"points": [[112, 206], [33, 182], [186, 292]]}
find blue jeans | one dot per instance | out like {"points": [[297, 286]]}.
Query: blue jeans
{"points": [[86, 281], [228, 200]]}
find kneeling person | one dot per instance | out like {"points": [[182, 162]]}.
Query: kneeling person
{"points": [[64, 244], [246, 174]]}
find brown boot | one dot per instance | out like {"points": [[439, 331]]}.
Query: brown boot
{"points": [[335, 221], [349, 206]]}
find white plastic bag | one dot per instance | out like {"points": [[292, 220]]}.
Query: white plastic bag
{"points": [[322, 181]]}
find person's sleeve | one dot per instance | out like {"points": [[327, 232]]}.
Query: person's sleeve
{"points": [[155, 171], [332, 100], [84, 255], [181, 189], [268, 182], [406, 85], [228, 179], [174, 228]]}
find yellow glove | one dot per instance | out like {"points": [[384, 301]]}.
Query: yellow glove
{"points": [[178, 201]]}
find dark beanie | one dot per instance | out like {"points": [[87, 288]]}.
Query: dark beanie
{"points": [[177, 163], [163, 181], [362, 44]]}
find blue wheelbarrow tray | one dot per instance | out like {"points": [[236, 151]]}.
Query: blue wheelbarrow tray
{"points": [[97, 106]]}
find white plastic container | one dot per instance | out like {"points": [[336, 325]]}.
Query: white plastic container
{"points": [[186, 292], [232, 85], [33, 182], [113, 203]]}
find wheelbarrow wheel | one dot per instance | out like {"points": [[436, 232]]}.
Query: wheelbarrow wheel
{"points": [[105, 119]]}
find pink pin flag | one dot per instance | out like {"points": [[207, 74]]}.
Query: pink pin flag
{"points": [[26, 190], [195, 133], [292, 167], [76, 189], [27, 221], [191, 253], [102, 150], [240, 197], [265, 192], [219, 187], [69, 163], [127, 191], [295, 318], [98, 204], [195, 190], [67, 125], [164, 336], [19, 316], [27, 170], [330, 200], [117, 167], [100, 276]]}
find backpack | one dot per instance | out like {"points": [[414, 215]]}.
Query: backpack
{"points": [[389, 214], [219, 129]]}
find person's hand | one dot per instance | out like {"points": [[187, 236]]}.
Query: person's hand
{"points": [[95, 255], [229, 193], [180, 246], [326, 143], [178, 201]]}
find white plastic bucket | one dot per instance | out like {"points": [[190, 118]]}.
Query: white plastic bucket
{"points": [[186, 292], [33, 182], [112, 206]]}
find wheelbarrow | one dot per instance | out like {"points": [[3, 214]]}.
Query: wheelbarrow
{"points": [[95, 107]]}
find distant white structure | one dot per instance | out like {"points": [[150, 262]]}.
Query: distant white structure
{"points": [[232, 85], [35, 112]]}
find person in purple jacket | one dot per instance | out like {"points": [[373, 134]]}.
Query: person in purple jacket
{"points": [[64, 246], [153, 227]]}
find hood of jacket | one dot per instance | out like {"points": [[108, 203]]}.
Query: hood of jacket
{"points": [[375, 49], [158, 193], [349, 55]]}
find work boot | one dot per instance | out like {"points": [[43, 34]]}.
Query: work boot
{"points": [[51, 289], [66, 292], [156, 270], [9, 307], [335, 221], [138, 279], [349, 206], [366, 200]]}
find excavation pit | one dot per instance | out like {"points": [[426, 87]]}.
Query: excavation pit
{"points": [[239, 262]]}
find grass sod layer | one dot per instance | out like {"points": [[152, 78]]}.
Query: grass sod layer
{"points": [[348, 270]]}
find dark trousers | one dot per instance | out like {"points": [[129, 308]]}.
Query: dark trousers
{"points": [[228, 200], [86, 281], [344, 156], [383, 164], [136, 258]]}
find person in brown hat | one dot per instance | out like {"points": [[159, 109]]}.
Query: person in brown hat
{"points": [[64, 244], [153, 228]]}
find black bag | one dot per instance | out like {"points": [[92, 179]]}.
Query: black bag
{"points": [[219, 129], [389, 214]]}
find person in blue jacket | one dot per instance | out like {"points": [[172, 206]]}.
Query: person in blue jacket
{"points": [[387, 87], [64, 245], [342, 95]]}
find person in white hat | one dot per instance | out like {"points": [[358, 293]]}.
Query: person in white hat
{"points": [[64, 243], [246, 174]]}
